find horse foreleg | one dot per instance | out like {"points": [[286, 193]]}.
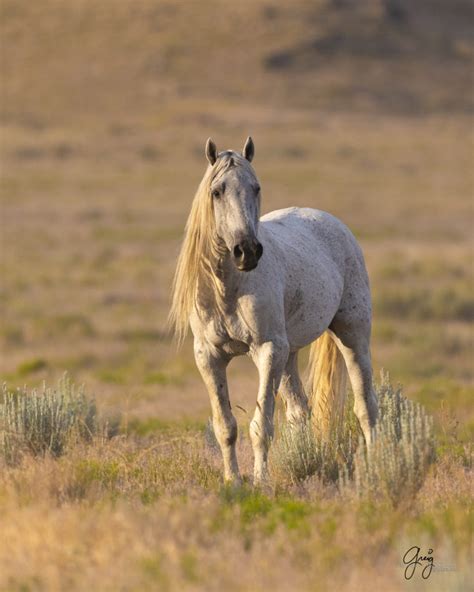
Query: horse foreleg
{"points": [[213, 367], [292, 392], [270, 358]]}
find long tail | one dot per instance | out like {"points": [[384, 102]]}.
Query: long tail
{"points": [[327, 384]]}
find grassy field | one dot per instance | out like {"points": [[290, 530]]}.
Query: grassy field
{"points": [[105, 111]]}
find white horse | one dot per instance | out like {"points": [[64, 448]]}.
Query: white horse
{"points": [[267, 287]]}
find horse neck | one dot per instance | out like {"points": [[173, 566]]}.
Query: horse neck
{"points": [[229, 276], [220, 298]]}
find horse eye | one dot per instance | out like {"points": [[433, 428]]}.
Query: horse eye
{"points": [[216, 193], [257, 188]]}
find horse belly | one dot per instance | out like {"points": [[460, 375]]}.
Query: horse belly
{"points": [[311, 304]]}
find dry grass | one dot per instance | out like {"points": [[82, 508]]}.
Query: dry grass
{"points": [[366, 118], [159, 515], [141, 513]]}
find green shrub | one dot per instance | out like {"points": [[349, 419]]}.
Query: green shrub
{"points": [[395, 465], [40, 422], [393, 468]]}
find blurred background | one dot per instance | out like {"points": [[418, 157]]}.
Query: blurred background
{"points": [[362, 108]]}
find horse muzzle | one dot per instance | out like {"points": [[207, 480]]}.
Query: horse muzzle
{"points": [[247, 254]]}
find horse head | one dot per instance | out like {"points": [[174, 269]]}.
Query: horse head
{"points": [[235, 194]]}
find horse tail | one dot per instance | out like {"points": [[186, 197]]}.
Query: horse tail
{"points": [[327, 384]]}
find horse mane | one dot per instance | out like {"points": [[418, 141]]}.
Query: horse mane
{"points": [[201, 251]]}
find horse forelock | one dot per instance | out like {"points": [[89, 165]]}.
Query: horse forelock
{"points": [[228, 160]]}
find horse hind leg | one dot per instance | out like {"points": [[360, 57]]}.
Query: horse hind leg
{"points": [[292, 392], [353, 341]]}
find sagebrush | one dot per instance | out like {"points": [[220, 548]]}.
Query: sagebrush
{"points": [[301, 450], [394, 467], [44, 421]]}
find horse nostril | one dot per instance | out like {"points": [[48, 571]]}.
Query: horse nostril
{"points": [[259, 250], [238, 252]]}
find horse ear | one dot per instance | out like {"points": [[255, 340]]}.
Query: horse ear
{"points": [[249, 149], [211, 151]]}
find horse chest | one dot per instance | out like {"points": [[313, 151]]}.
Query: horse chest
{"points": [[233, 338]]}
